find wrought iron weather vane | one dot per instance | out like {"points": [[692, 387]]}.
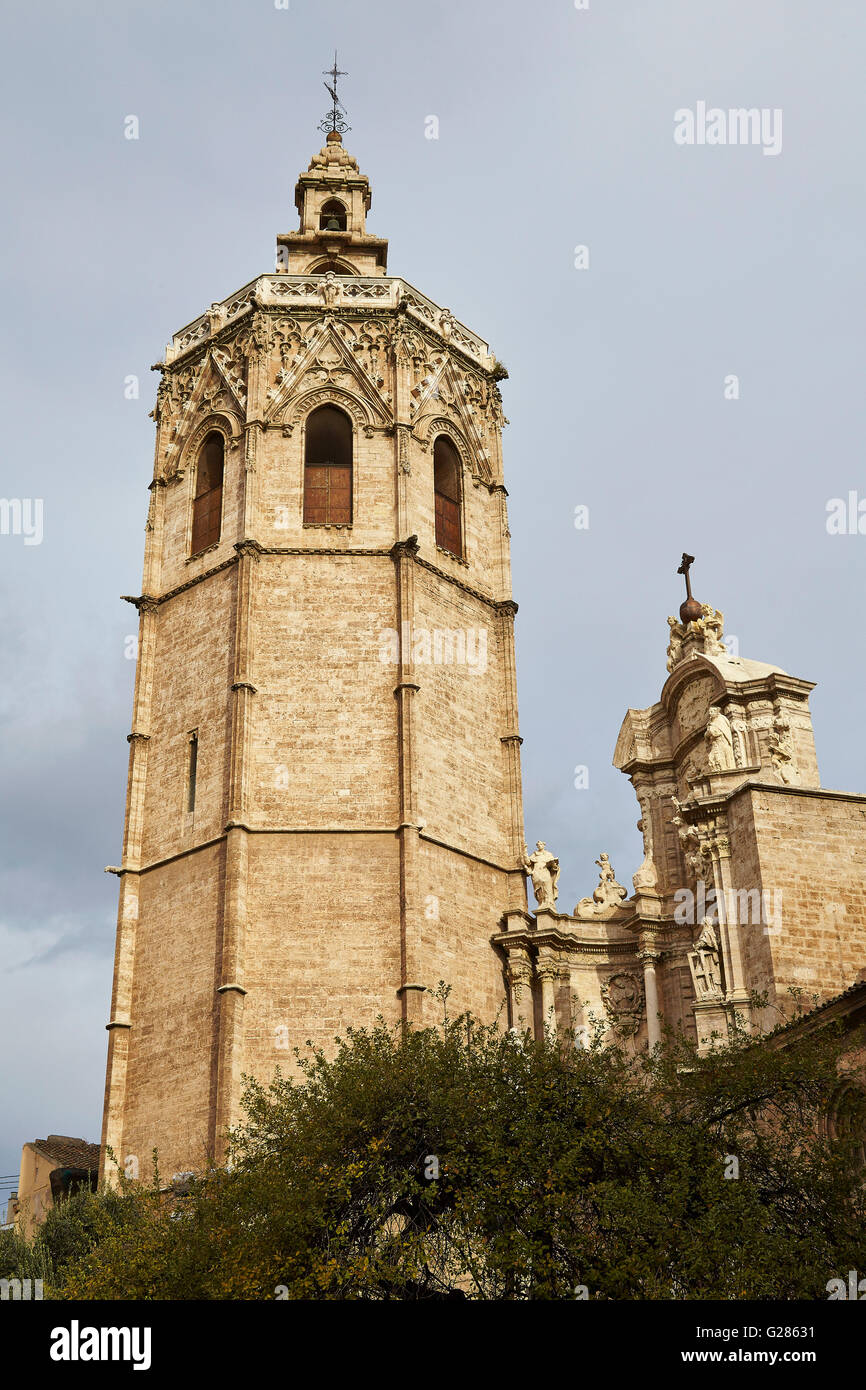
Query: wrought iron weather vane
{"points": [[336, 117]]}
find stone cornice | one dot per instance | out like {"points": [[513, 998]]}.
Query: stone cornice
{"points": [[145, 601], [496, 603], [466, 854], [313, 830], [300, 296], [564, 941], [718, 803]]}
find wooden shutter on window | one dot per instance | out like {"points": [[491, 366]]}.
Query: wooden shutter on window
{"points": [[446, 486], [328, 468], [208, 503]]}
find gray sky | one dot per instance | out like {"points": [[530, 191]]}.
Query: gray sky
{"points": [[556, 130]]}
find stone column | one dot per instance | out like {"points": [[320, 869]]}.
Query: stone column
{"points": [[520, 988], [231, 990], [258, 348], [729, 928], [547, 971], [404, 468], [511, 742], [120, 1022], [411, 987], [649, 957]]}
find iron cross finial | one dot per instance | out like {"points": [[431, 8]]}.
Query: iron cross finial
{"points": [[685, 565], [335, 120], [690, 609]]}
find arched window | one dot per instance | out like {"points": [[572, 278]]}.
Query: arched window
{"points": [[208, 504], [332, 217], [322, 268], [328, 467], [446, 488]]}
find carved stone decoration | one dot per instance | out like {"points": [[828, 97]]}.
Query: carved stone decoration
{"points": [[443, 400], [782, 752], [543, 870], [675, 642], [739, 733], [704, 964], [711, 624], [702, 635], [233, 372], [623, 996], [180, 455], [330, 290], [174, 392], [719, 742], [608, 896], [646, 876], [302, 406], [694, 704], [327, 354], [370, 347], [696, 851], [286, 334], [403, 450], [256, 338]]}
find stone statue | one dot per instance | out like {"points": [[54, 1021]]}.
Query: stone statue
{"points": [[543, 869], [707, 940], [712, 624], [330, 289], [700, 635], [607, 897], [782, 751], [646, 876], [704, 963], [690, 840], [720, 744], [675, 643]]}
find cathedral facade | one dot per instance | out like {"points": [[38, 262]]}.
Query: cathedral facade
{"points": [[324, 813], [749, 905]]}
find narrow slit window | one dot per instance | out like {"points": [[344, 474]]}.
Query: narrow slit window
{"points": [[192, 771], [208, 503], [446, 488], [328, 468]]}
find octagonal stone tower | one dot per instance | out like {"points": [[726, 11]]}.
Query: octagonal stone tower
{"points": [[324, 806]]}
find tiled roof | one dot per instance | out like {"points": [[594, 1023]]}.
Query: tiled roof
{"points": [[840, 1006], [68, 1152]]}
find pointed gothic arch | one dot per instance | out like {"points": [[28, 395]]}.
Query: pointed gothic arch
{"points": [[428, 427], [448, 495], [290, 408], [207, 503], [321, 267]]}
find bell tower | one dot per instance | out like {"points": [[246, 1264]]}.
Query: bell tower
{"points": [[332, 198], [324, 812]]}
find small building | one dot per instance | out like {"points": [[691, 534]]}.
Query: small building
{"points": [[50, 1169]]}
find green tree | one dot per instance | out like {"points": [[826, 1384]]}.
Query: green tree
{"points": [[464, 1162]]}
